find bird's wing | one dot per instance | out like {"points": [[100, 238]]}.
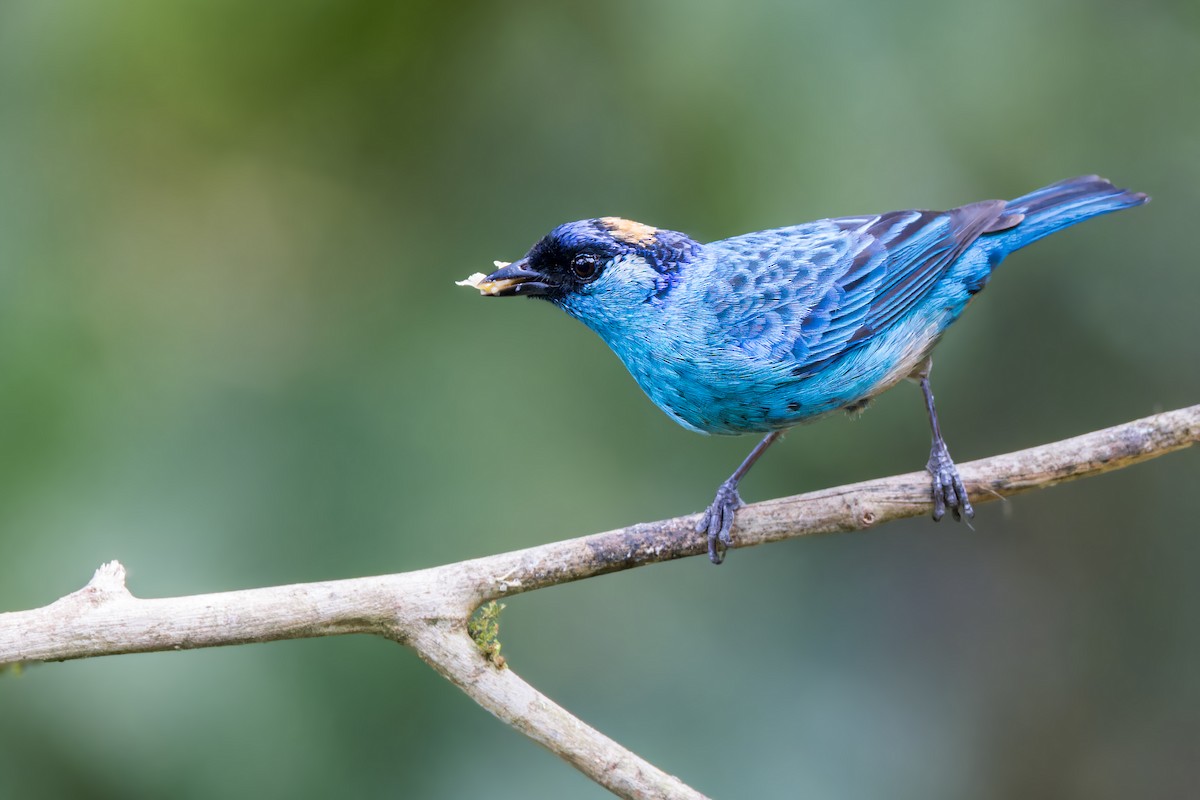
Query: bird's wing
{"points": [[810, 293]]}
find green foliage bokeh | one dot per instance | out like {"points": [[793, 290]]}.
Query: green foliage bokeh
{"points": [[232, 355]]}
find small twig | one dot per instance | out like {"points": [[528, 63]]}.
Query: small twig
{"points": [[428, 609]]}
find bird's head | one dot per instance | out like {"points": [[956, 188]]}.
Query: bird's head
{"points": [[597, 269]]}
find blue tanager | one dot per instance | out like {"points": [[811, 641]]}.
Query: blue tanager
{"points": [[759, 332]]}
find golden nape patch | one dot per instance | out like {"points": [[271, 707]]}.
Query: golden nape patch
{"points": [[629, 231]]}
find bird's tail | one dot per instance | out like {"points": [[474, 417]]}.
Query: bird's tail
{"points": [[1061, 204]]}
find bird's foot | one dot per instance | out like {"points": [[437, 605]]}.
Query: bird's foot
{"points": [[717, 521], [948, 489]]}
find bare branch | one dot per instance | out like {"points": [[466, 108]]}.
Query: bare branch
{"points": [[854, 506], [427, 610]]}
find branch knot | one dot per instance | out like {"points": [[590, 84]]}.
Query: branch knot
{"points": [[106, 585]]}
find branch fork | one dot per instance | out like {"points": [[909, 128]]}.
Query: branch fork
{"points": [[428, 610]]}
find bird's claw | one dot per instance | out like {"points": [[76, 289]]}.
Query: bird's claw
{"points": [[717, 521], [948, 489]]}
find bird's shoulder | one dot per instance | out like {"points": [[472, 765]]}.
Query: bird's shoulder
{"points": [[763, 285]]}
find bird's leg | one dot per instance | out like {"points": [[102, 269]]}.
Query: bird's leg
{"points": [[948, 489], [718, 519]]}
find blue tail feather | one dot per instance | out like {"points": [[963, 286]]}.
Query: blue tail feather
{"points": [[1061, 204]]}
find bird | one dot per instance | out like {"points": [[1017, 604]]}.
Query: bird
{"points": [[763, 331]]}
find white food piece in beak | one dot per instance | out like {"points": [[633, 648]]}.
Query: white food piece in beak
{"points": [[473, 281]]}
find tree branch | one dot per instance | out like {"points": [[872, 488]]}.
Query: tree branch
{"points": [[427, 610]]}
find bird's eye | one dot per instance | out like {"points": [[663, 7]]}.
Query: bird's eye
{"points": [[585, 266]]}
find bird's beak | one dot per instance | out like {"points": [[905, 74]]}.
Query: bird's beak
{"points": [[513, 279]]}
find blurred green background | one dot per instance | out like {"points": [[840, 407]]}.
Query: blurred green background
{"points": [[232, 355]]}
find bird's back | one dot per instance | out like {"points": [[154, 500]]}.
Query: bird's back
{"points": [[775, 327]]}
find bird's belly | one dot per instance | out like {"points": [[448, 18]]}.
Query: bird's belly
{"points": [[709, 400], [731, 395]]}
